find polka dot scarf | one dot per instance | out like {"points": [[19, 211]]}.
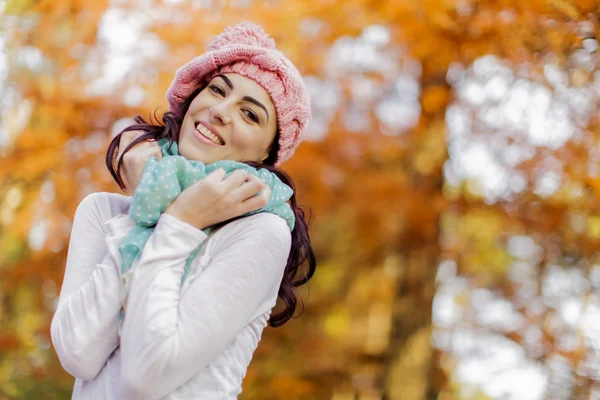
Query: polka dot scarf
{"points": [[162, 181]]}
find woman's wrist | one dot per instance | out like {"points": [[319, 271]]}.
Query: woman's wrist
{"points": [[172, 211]]}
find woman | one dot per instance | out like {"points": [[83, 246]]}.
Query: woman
{"points": [[242, 101]]}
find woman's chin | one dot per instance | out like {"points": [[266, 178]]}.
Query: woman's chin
{"points": [[196, 151], [201, 156]]}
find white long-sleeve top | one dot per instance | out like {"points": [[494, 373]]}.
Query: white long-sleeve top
{"points": [[177, 342]]}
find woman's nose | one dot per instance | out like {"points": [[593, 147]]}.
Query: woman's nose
{"points": [[221, 113]]}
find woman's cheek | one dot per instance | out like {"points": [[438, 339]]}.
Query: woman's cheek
{"points": [[243, 139]]}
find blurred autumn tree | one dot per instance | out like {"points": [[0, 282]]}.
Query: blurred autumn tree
{"points": [[452, 167]]}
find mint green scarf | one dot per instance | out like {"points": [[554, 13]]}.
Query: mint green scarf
{"points": [[162, 181]]}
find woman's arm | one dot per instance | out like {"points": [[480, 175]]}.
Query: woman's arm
{"points": [[84, 327], [166, 339]]}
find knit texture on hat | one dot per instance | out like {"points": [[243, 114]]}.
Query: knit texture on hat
{"points": [[244, 33], [246, 49]]}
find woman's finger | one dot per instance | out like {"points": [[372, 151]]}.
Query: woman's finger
{"points": [[144, 154], [140, 153], [250, 187], [149, 148], [158, 154], [216, 176], [255, 202], [128, 137], [235, 179]]}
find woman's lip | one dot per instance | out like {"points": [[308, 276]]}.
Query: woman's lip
{"points": [[203, 138], [210, 128]]}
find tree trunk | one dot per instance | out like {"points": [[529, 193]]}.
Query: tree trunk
{"points": [[411, 365]]}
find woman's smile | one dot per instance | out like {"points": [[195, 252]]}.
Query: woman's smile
{"points": [[204, 131]]}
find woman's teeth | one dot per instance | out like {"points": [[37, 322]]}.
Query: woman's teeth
{"points": [[204, 131]]}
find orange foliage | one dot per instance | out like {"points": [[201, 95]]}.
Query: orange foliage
{"points": [[383, 209]]}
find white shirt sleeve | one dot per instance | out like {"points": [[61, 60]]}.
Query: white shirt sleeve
{"points": [[84, 327], [168, 335]]}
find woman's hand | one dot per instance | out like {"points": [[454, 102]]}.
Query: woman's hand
{"points": [[217, 198], [134, 161]]}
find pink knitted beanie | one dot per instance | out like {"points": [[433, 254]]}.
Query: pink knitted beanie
{"points": [[246, 49]]}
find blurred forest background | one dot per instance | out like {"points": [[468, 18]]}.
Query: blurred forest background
{"points": [[452, 169]]}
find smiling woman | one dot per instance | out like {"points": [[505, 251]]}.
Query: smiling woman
{"points": [[139, 315]]}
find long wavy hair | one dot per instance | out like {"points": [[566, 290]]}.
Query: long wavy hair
{"points": [[301, 251]]}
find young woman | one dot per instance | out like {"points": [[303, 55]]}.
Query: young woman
{"points": [[242, 101]]}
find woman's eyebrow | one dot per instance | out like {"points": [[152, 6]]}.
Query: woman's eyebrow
{"points": [[245, 98], [258, 103], [226, 79]]}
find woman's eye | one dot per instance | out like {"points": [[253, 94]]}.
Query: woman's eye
{"points": [[217, 90], [252, 115]]}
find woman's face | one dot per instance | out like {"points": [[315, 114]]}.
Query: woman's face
{"points": [[233, 118]]}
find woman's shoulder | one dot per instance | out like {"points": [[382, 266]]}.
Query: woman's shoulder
{"points": [[262, 221], [104, 205], [266, 228]]}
